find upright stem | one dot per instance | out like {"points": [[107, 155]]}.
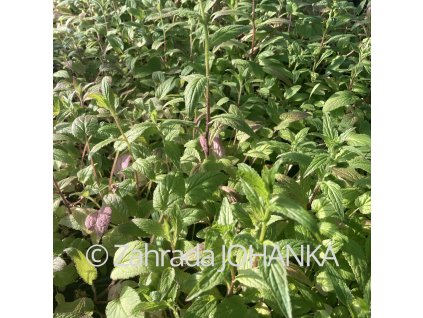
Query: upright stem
{"points": [[65, 202], [206, 62], [164, 32], [115, 118], [253, 20], [97, 179]]}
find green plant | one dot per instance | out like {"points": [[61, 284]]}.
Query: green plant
{"points": [[212, 123]]}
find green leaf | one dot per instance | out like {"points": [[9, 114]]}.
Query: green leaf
{"points": [[292, 210], [115, 42], [101, 101], [101, 144], [151, 227], [333, 191], [339, 99], [233, 121], [364, 203], [165, 88], [226, 216], [84, 126], [233, 307], [124, 305], [201, 186], [250, 176], [129, 262], [202, 307], [167, 282], [85, 269], [169, 193], [150, 306], [290, 92], [356, 258], [319, 161], [132, 134], [145, 166], [80, 307], [274, 275], [227, 33], [120, 211], [342, 291], [209, 278], [193, 91]]}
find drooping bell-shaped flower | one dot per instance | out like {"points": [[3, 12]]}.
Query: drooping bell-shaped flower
{"points": [[122, 162], [217, 147]]}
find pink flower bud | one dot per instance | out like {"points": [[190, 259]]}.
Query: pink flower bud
{"points": [[106, 210], [91, 220], [203, 143], [102, 223], [122, 163], [99, 221], [217, 147]]}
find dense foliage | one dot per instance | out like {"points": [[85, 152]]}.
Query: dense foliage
{"points": [[215, 122]]}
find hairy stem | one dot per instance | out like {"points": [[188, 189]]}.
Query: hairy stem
{"points": [[116, 119], [207, 69], [97, 180], [253, 21], [65, 202], [113, 171]]}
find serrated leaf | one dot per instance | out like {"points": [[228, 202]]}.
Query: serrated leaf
{"points": [[364, 203], [145, 166], [120, 211], [233, 307], [164, 88], [233, 121], [150, 306], [130, 261], [226, 216], [333, 191], [274, 275], [341, 289], [151, 227], [250, 176], [292, 210], [227, 33], [101, 144], [210, 278], [202, 307], [167, 282], [132, 134], [193, 91], [84, 126], [169, 193], [124, 305], [356, 258], [200, 186], [319, 161], [339, 99]]}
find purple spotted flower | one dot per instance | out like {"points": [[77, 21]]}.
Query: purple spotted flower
{"points": [[217, 147], [99, 221], [122, 163]]}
